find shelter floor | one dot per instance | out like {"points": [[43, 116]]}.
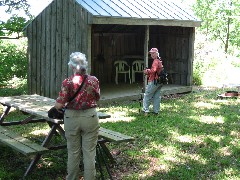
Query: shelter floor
{"points": [[124, 91]]}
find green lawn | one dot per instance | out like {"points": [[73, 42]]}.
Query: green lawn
{"points": [[196, 136]]}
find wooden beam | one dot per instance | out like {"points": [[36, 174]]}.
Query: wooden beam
{"points": [[136, 21], [146, 42], [190, 57]]}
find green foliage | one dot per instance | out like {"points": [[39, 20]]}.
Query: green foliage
{"points": [[13, 25], [211, 66], [197, 78], [19, 4], [14, 87], [16, 23], [13, 60], [220, 20]]}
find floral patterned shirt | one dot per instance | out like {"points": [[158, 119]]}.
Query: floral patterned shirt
{"points": [[155, 70], [86, 98]]}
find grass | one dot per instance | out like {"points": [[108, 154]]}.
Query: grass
{"points": [[196, 136]]}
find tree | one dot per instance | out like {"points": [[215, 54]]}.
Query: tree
{"points": [[16, 23], [219, 20], [11, 4]]}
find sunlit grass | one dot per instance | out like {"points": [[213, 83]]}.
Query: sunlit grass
{"points": [[195, 136]]}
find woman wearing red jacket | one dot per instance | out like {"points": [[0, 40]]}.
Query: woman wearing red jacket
{"points": [[153, 89]]}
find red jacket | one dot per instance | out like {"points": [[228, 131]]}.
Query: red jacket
{"points": [[156, 67]]}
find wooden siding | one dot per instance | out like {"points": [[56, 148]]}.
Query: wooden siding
{"points": [[174, 43], [52, 36]]}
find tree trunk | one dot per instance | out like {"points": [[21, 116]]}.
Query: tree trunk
{"points": [[227, 38]]}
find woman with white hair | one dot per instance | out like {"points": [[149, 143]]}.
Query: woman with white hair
{"points": [[153, 89], [81, 122]]}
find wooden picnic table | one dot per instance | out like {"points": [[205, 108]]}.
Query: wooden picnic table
{"points": [[37, 107]]}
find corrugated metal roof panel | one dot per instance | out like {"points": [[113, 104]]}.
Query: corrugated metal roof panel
{"points": [[166, 9], [134, 11], [156, 9], [145, 9]]}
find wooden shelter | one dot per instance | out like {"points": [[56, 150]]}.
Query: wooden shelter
{"points": [[107, 31]]}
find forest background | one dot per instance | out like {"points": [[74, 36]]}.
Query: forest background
{"points": [[217, 41]]}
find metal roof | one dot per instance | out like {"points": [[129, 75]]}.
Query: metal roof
{"points": [[139, 9]]}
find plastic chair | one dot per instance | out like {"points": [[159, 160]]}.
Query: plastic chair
{"points": [[137, 67], [122, 67]]}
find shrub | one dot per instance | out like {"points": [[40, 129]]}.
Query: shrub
{"points": [[13, 60], [15, 87]]}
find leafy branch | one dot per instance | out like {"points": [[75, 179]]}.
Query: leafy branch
{"points": [[15, 23]]}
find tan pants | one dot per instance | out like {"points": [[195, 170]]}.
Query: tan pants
{"points": [[81, 127]]}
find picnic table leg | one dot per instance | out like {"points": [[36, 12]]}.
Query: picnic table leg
{"points": [[140, 102], [59, 128], [106, 150], [100, 153], [32, 164], [50, 135], [5, 113], [99, 164], [61, 131], [44, 144]]}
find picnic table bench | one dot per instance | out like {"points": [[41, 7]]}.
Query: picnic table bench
{"points": [[37, 106], [20, 143]]}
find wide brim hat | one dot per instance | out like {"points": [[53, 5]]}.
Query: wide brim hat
{"points": [[153, 50]]}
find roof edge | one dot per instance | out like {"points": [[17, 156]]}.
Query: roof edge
{"points": [[144, 21]]}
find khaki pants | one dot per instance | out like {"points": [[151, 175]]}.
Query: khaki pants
{"points": [[81, 128]]}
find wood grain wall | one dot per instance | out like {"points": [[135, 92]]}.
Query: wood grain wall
{"points": [[175, 45], [53, 35]]}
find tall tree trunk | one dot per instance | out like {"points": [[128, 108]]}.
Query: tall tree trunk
{"points": [[227, 38]]}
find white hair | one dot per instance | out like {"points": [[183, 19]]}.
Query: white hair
{"points": [[78, 61]]}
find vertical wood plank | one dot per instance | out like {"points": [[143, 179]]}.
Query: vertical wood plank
{"points": [[72, 27], [43, 54], [84, 33], [58, 33], [108, 55], [53, 50], [89, 49], [48, 52], [29, 52], [65, 39], [34, 58], [146, 42], [79, 25], [190, 57], [38, 54]]}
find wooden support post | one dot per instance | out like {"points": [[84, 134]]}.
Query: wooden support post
{"points": [[145, 56]]}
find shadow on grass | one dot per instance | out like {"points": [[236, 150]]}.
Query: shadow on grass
{"points": [[196, 136]]}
